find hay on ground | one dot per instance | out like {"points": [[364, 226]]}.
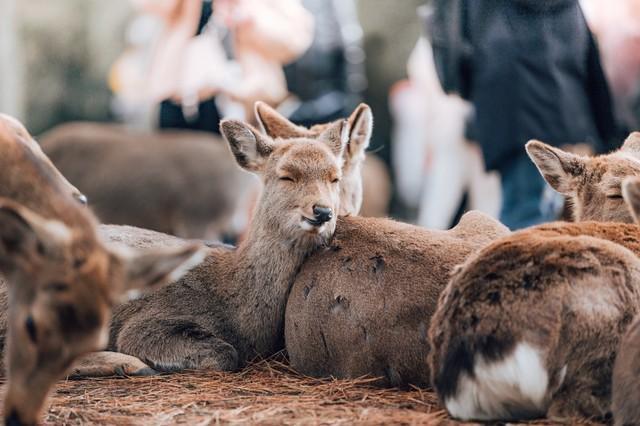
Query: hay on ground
{"points": [[267, 392]]}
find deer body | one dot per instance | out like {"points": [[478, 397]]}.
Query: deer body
{"points": [[362, 305], [530, 325], [176, 182], [626, 378]]}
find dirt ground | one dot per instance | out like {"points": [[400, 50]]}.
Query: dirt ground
{"points": [[267, 392]]}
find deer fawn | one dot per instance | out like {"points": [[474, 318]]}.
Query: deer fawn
{"points": [[61, 281], [530, 325], [231, 307]]}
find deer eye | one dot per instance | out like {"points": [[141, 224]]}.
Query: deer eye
{"points": [[30, 325], [286, 179], [614, 196], [335, 180], [56, 287]]}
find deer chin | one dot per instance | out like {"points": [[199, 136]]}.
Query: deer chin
{"points": [[312, 226]]}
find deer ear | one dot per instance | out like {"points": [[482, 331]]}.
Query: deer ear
{"points": [[275, 125], [25, 235], [631, 194], [336, 136], [152, 268], [631, 145], [361, 127], [558, 168], [250, 148]]}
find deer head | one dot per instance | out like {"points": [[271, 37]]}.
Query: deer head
{"points": [[592, 184], [360, 128], [62, 284], [300, 175]]}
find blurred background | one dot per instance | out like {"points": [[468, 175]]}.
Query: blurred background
{"points": [[126, 95]]}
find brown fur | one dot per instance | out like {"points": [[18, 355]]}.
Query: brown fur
{"points": [[177, 182], [590, 184], [363, 304], [626, 378], [569, 297], [231, 307], [60, 280], [556, 287], [360, 127]]}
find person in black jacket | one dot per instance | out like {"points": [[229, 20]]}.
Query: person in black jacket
{"points": [[531, 69]]}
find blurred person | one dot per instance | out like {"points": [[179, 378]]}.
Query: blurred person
{"points": [[531, 70], [616, 26], [216, 58], [328, 81], [433, 162]]}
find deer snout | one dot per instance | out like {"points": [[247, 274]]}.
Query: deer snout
{"points": [[322, 214]]}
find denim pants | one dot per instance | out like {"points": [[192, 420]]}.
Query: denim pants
{"points": [[526, 198]]}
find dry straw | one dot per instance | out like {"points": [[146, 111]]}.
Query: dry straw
{"points": [[267, 392]]}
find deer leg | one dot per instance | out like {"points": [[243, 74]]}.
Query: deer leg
{"points": [[101, 364], [177, 344]]}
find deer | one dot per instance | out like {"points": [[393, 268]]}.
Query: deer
{"points": [[59, 280], [360, 290], [529, 326], [230, 308], [183, 183], [365, 188]]}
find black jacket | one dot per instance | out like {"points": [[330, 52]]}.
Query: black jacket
{"points": [[531, 68]]}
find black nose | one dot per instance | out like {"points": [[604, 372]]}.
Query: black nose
{"points": [[322, 214]]}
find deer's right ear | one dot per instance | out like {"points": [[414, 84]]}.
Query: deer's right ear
{"points": [[557, 167], [276, 125], [249, 146], [360, 129], [631, 194], [149, 269], [631, 145], [24, 235]]}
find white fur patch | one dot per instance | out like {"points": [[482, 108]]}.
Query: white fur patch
{"points": [[306, 226], [192, 261], [518, 382], [58, 230]]}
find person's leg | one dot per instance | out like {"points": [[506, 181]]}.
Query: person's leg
{"points": [[171, 116], [522, 195]]}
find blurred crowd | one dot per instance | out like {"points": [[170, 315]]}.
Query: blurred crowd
{"points": [[483, 78]]}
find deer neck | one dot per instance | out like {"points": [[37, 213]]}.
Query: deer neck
{"points": [[266, 265]]}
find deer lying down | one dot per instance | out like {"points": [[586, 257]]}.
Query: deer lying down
{"points": [[361, 291], [177, 182], [230, 308], [61, 281], [530, 325]]}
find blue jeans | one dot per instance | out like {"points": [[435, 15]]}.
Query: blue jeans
{"points": [[526, 198]]}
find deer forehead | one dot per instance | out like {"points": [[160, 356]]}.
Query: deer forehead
{"points": [[310, 160]]}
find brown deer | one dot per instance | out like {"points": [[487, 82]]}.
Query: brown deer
{"points": [[177, 182], [61, 281], [365, 184], [530, 325], [231, 308]]}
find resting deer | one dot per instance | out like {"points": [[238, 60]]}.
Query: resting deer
{"points": [[61, 281], [230, 308], [178, 182], [530, 325], [361, 290]]}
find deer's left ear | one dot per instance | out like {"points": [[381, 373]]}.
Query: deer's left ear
{"points": [[25, 235], [361, 128]]}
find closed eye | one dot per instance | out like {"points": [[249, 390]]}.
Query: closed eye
{"points": [[336, 180], [286, 179], [614, 196]]}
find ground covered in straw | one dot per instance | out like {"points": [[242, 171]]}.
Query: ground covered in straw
{"points": [[267, 392]]}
